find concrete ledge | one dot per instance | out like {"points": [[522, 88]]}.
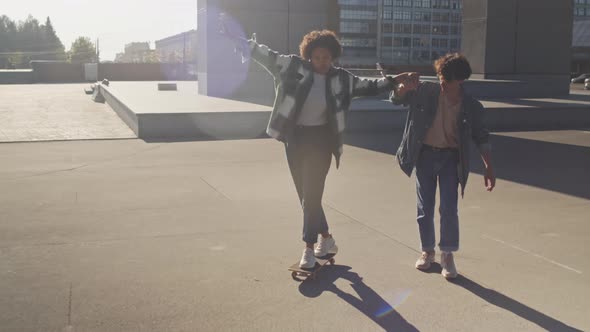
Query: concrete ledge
{"points": [[154, 115]]}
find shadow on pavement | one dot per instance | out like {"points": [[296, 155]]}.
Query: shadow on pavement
{"points": [[366, 300], [502, 301], [552, 166]]}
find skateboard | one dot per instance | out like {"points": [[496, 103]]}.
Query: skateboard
{"points": [[297, 272]]}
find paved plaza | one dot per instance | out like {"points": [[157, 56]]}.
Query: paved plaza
{"points": [[124, 235]]}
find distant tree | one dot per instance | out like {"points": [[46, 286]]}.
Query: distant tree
{"points": [[82, 51], [55, 46], [152, 57], [20, 43]]}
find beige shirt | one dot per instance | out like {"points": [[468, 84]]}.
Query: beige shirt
{"points": [[314, 110], [444, 131]]}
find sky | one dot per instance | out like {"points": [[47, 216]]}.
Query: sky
{"points": [[114, 22]]}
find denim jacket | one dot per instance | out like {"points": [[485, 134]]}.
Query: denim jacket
{"points": [[423, 103]]}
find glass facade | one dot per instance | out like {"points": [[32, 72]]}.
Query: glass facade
{"points": [[358, 28], [581, 9], [416, 32], [413, 32]]}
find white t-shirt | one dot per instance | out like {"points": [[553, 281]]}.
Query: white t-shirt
{"points": [[314, 110]]}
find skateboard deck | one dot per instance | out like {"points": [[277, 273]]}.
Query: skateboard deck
{"points": [[297, 272]]}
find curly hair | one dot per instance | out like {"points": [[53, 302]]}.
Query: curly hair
{"points": [[320, 38], [453, 66]]}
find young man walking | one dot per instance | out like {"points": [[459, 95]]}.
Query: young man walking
{"points": [[442, 120]]}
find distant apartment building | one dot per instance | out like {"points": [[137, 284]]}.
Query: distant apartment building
{"points": [[398, 32], [581, 10], [180, 48], [358, 31]]}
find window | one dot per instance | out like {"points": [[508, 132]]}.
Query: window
{"points": [[454, 44], [422, 42], [400, 56], [387, 41], [358, 42], [407, 3], [420, 56], [387, 28], [440, 29], [358, 2], [387, 14], [358, 14], [357, 27], [454, 30], [388, 2], [407, 16], [422, 16], [402, 28], [421, 29], [406, 42]]}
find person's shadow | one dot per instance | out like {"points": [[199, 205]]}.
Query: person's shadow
{"points": [[502, 301], [368, 301]]}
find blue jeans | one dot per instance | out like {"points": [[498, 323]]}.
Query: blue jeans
{"points": [[441, 166]]}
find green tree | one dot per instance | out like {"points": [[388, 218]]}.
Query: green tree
{"points": [[20, 43], [152, 57], [55, 47], [82, 51]]}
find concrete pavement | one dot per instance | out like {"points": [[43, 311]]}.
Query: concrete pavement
{"points": [[124, 235]]}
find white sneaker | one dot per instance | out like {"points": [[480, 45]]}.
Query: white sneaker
{"points": [[424, 262], [308, 259], [447, 263], [325, 246]]}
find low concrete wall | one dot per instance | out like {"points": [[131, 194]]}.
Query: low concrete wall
{"points": [[57, 72], [65, 72], [141, 71], [16, 76]]}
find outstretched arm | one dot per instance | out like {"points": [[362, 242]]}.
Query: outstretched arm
{"points": [[405, 90], [370, 87], [248, 48]]}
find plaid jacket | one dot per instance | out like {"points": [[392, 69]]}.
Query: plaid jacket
{"points": [[293, 77]]}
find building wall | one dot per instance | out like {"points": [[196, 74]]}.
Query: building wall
{"points": [[178, 48], [280, 24]]}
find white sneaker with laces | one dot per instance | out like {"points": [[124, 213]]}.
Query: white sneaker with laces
{"points": [[326, 245], [449, 270], [308, 259], [424, 262]]}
